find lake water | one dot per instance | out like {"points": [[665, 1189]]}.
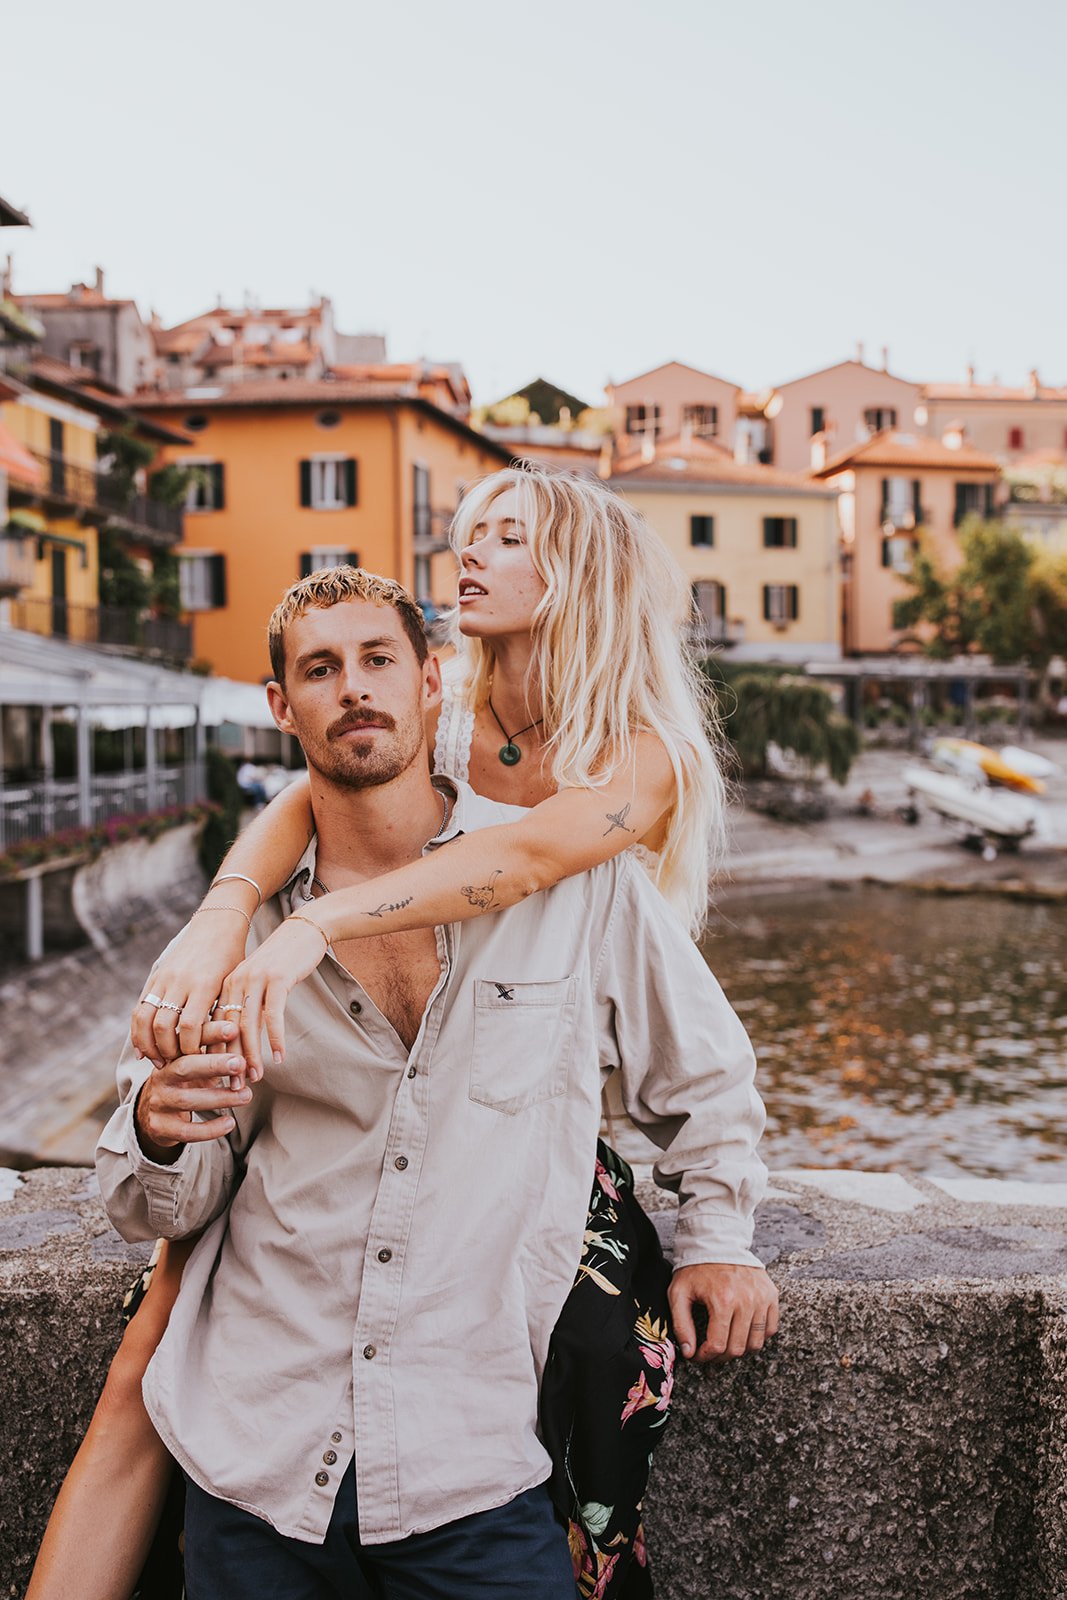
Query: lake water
{"points": [[903, 1031]]}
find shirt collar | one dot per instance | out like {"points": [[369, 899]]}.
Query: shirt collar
{"points": [[458, 796]]}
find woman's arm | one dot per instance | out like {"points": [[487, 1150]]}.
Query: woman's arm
{"points": [[476, 873], [190, 974]]}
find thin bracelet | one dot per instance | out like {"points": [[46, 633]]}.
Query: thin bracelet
{"points": [[224, 877], [296, 916], [241, 909]]}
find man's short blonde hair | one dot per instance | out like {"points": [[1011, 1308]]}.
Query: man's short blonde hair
{"points": [[329, 587]]}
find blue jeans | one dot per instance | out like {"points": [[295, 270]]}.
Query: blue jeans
{"points": [[515, 1552]]}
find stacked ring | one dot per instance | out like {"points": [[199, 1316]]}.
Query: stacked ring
{"points": [[151, 1000]]}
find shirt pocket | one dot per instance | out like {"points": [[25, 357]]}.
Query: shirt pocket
{"points": [[523, 1042]]}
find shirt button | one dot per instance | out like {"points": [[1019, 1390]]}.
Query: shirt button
{"points": [[330, 1456], [401, 1163], [322, 1479], [369, 1352], [385, 1255], [355, 1008], [336, 1437], [411, 1072]]}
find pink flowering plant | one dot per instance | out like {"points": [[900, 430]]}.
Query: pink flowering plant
{"points": [[92, 841]]}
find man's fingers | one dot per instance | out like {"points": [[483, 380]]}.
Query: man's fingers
{"points": [[717, 1338], [171, 1130], [217, 1034], [682, 1317]]}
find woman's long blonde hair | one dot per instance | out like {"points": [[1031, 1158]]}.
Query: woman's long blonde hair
{"points": [[611, 659]]}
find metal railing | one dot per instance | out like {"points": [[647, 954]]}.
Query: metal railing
{"points": [[430, 529], [91, 489], [38, 809], [115, 627]]}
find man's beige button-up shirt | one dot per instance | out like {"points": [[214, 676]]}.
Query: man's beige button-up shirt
{"points": [[391, 1234]]}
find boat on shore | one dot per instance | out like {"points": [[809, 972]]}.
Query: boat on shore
{"points": [[1011, 767], [989, 817]]}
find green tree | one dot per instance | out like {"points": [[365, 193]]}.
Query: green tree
{"points": [[762, 706], [987, 604]]}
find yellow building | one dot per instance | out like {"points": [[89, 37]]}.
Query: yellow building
{"points": [[294, 475], [759, 546]]}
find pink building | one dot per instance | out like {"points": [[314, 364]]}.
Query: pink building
{"points": [[847, 403], [675, 401], [1009, 423]]}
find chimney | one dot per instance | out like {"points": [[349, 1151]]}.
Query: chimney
{"points": [[885, 358], [952, 438], [98, 282], [648, 449], [970, 377], [859, 351], [1035, 381], [604, 465], [7, 278], [819, 451]]}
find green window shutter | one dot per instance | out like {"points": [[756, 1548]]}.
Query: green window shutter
{"points": [[352, 558], [305, 563], [766, 602], [917, 500], [305, 483], [218, 485], [793, 605], [217, 576], [351, 484], [791, 532], [885, 498], [961, 505], [987, 496]]}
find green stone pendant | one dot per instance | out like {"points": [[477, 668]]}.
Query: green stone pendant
{"points": [[510, 754]]}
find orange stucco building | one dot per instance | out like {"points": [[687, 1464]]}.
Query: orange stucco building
{"points": [[893, 491], [293, 475]]}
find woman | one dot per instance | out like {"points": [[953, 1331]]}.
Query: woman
{"points": [[573, 697]]}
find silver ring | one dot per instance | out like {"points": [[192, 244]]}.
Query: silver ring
{"points": [[168, 1005], [151, 1000], [231, 1008]]}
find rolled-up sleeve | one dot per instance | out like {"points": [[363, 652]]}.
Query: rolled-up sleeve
{"points": [[688, 1073], [144, 1199]]}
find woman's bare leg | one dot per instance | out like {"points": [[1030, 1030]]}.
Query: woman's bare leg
{"points": [[106, 1513]]}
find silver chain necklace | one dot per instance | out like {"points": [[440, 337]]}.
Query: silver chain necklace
{"points": [[446, 812]]}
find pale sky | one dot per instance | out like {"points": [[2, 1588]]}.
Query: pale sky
{"points": [[577, 189]]}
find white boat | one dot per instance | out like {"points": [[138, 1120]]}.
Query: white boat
{"points": [[998, 819], [1028, 761]]}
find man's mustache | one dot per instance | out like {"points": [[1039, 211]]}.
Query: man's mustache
{"points": [[359, 719]]}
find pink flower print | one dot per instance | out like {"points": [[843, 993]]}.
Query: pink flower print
{"points": [[605, 1182], [639, 1397]]}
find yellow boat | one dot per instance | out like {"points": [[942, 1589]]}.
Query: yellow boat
{"points": [[996, 769]]}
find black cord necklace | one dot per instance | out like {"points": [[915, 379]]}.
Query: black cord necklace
{"points": [[510, 754]]}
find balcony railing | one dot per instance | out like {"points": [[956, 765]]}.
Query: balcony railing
{"points": [[92, 490], [36, 809], [430, 529], [709, 632], [17, 563], [904, 519], [115, 627]]}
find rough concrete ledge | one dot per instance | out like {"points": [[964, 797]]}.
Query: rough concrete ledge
{"points": [[904, 1436]]}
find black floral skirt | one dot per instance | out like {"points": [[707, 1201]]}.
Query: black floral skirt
{"points": [[605, 1398]]}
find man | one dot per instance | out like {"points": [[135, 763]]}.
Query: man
{"points": [[395, 1214]]}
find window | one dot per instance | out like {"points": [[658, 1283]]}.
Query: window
{"points": [[329, 419], [703, 421], [973, 500], [84, 356], [818, 420], [781, 603], [202, 582], [898, 552], [902, 502], [709, 606], [1015, 438], [420, 491], [779, 533], [879, 418], [643, 419], [207, 487], [702, 531], [328, 483], [196, 423], [326, 555]]}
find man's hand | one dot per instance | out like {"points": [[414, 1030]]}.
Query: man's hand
{"points": [[188, 1084], [742, 1307]]}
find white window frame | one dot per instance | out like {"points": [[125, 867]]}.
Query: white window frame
{"points": [[877, 412], [197, 487], [899, 502], [778, 604], [900, 548], [194, 580], [707, 429], [328, 486], [328, 555]]}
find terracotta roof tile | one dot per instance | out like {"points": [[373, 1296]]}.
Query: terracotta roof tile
{"points": [[993, 391], [700, 461], [909, 451]]}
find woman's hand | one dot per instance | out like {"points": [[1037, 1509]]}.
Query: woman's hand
{"points": [[188, 978], [255, 993]]}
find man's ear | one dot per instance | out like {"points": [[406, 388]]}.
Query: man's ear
{"points": [[431, 682], [279, 707]]}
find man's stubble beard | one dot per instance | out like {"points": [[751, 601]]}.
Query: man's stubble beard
{"points": [[384, 756]]}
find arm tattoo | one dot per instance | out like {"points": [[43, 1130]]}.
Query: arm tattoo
{"points": [[397, 905], [485, 896], [617, 819]]}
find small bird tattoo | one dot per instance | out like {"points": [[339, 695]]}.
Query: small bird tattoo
{"points": [[617, 819]]}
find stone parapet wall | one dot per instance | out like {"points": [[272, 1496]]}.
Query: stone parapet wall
{"points": [[904, 1435]]}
